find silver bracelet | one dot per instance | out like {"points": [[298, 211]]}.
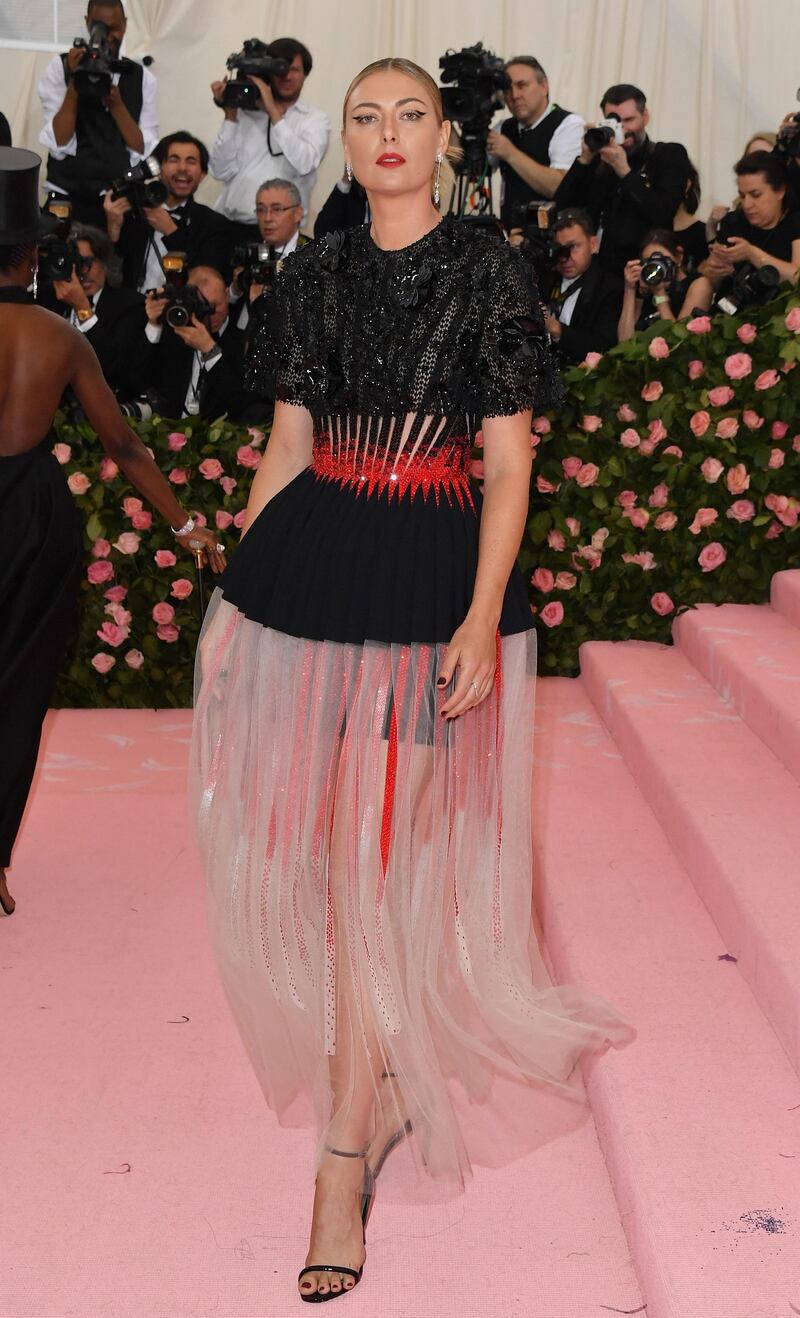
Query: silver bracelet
{"points": [[185, 529]]}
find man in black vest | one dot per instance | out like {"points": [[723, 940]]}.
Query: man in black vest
{"points": [[95, 139], [143, 238], [627, 187], [583, 300], [537, 145]]}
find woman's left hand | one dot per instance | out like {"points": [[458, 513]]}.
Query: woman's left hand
{"points": [[472, 655], [739, 249]]}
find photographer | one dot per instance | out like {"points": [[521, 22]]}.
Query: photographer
{"points": [[583, 300], [345, 207], [656, 286], [538, 144], [112, 319], [691, 230], [93, 135], [283, 138], [627, 186], [279, 213], [195, 368], [760, 235], [144, 235]]}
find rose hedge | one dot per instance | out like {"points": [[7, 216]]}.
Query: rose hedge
{"points": [[671, 476]]}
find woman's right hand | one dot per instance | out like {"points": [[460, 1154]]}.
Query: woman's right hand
{"points": [[632, 275], [154, 305], [202, 538]]}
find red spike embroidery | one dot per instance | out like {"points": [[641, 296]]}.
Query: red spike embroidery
{"points": [[441, 472]]}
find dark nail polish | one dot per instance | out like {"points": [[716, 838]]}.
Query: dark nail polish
{"points": [[442, 681]]}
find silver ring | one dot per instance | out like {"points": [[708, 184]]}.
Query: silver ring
{"points": [[195, 544], [475, 689], [220, 549]]}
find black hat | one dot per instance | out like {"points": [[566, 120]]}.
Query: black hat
{"points": [[21, 221]]}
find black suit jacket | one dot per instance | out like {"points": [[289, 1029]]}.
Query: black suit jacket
{"points": [[220, 389], [342, 210], [647, 198], [594, 319], [206, 237], [118, 338]]}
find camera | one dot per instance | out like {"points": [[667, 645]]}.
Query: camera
{"points": [[658, 269], [59, 255], [604, 133], [480, 81], [138, 409], [253, 60], [141, 184], [183, 303], [95, 73], [259, 262], [750, 286], [536, 220]]}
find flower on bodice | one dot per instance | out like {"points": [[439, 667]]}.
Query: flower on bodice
{"points": [[413, 288], [521, 337], [331, 251]]}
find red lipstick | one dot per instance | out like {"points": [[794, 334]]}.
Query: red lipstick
{"points": [[390, 159]]}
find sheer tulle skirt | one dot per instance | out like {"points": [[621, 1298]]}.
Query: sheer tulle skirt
{"points": [[369, 876]]}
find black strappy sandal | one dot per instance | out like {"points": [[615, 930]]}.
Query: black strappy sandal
{"points": [[394, 1140], [366, 1207]]}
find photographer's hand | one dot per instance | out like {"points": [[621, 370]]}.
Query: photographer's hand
{"points": [[497, 144], [554, 326], [586, 154], [615, 156], [255, 292], [74, 56], [739, 249], [632, 274], [159, 218], [217, 93], [196, 335], [115, 214], [154, 304], [72, 292], [129, 130], [267, 102]]}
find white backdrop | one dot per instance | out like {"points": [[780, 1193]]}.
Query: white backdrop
{"points": [[713, 70]]}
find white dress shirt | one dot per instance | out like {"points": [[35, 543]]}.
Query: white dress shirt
{"points": [[52, 89], [570, 301], [191, 402], [89, 323], [251, 150], [153, 276]]}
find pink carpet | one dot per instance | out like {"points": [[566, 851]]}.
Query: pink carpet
{"points": [[142, 1176]]}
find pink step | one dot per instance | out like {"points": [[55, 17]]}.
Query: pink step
{"points": [[695, 1115], [730, 809], [751, 655], [785, 595]]}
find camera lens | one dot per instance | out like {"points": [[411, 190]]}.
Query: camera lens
{"points": [[177, 316]]}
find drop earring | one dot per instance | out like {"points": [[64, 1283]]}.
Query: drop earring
{"points": [[436, 180], [348, 169]]}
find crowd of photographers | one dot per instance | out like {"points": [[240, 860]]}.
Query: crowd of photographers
{"points": [[169, 290]]}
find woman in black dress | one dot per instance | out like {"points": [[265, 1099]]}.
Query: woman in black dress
{"points": [[363, 730]]}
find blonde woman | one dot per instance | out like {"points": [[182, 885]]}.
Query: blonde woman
{"points": [[363, 731]]}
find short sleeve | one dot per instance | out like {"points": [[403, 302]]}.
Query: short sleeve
{"points": [[516, 366], [277, 364]]}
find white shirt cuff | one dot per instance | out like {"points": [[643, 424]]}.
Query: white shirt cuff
{"points": [[153, 332], [85, 325]]}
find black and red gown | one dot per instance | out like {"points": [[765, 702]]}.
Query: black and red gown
{"points": [[369, 864]]}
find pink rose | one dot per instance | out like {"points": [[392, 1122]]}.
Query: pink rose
{"points": [[101, 548], [115, 593], [712, 557], [747, 333], [646, 448], [738, 365], [751, 419], [785, 509], [134, 658], [164, 558], [721, 396], [571, 467], [652, 391], [590, 555], [78, 483], [712, 469], [696, 369], [703, 517], [247, 456], [792, 320], [200, 518], [629, 438], [660, 496], [743, 510], [112, 634], [626, 413], [128, 542], [661, 603], [178, 476], [587, 475], [673, 450], [699, 325], [727, 428], [658, 349], [566, 581], [555, 540], [627, 498], [131, 506], [779, 428], [646, 561], [599, 538], [591, 423], [737, 479], [542, 580], [238, 520], [773, 531], [656, 432], [543, 485], [108, 469], [639, 517], [163, 612], [228, 484], [777, 458], [573, 525], [181, 588], [99, 572], [62, 452], [699, 423], [222, 519], [766, 380], [103, 663], [142, 521], [475, 469], [256, 436], [168, 632], [122, 617], [666, 522], [211, 469], [175, 441], [552, 615], [591, 360], [541, 425]]}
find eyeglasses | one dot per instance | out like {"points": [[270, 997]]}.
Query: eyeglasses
{"points": [[275, 209]]}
